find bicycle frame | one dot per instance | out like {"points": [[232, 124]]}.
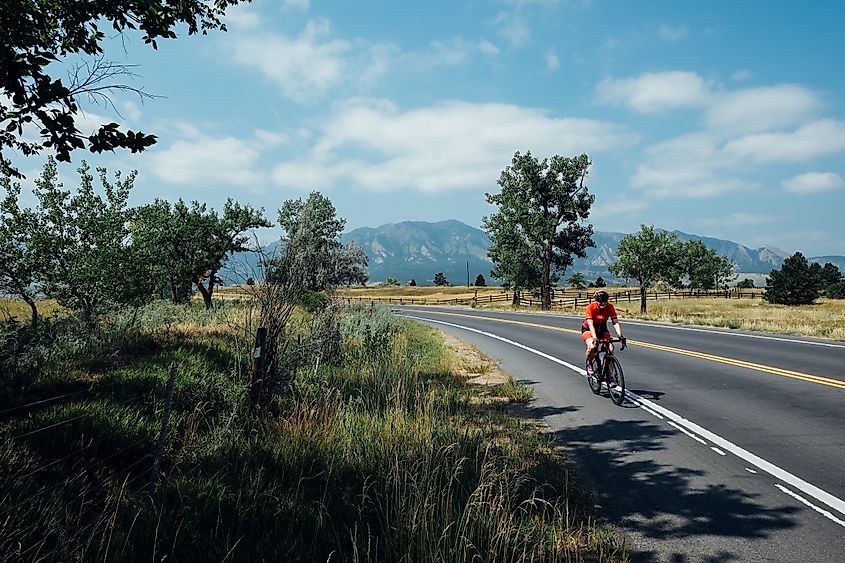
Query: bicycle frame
{"points": [[601, 368]]}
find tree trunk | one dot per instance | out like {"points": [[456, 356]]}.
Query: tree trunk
{"points": [[29, 301], [174, 292], [642, 298], [545, 282], [516, 296], [206, 294]]}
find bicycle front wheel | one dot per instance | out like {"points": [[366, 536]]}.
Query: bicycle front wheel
{"points": [[615, 380], [594, 380]]}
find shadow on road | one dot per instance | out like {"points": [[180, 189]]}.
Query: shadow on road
{"points": [[645, 394], [664, 501]]}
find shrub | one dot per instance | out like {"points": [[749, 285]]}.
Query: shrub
{"points": [[794, 284], [836, 291]]}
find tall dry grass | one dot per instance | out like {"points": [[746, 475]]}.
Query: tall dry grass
{"points": [[379, 453]]}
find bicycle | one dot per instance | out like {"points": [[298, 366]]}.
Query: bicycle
{"points": [[607, 369]]}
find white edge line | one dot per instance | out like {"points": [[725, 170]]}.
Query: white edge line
{"points": [[687, 432], [821, 511], [770, 468]]}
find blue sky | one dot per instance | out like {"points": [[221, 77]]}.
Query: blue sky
{"points": [[720, 118]]}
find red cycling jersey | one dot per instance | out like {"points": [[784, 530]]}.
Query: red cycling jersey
{"points": [[600, 317]]}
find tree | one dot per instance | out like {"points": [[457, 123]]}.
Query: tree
{"points": [[829, 274], [312, 252], [542, 206], [80, 243], [38, 36], [577, 280], [391, 281], [703, 267], [836, 290], [480, 281], [225, 236], [514, 260], [413, 282], [17, 264], [351, 265], [440, 279], [794, 283], [746, 283], [648, 256], [600, 282], [188, 245]]}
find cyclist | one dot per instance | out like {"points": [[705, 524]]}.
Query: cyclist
{"points": [[594, 326]]}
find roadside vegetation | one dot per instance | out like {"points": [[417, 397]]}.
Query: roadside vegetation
{"points": [[379, 452]]}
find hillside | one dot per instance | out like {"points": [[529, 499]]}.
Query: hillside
{"points": [[419, 249]]}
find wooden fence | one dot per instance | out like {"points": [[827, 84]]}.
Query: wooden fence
{"points": [[562, 299]]}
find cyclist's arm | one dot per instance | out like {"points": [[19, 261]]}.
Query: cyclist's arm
{"points": [[592, 326], [616, 326]]}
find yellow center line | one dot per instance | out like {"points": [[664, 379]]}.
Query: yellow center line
{"points": [[701, 355]]}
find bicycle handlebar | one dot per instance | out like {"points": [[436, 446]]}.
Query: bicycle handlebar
{"points": [[623, 340]]}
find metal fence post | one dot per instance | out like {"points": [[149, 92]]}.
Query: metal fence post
{"points": [[165, 420]]}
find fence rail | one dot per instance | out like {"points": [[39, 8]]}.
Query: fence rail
{"points": [[561, 300]]}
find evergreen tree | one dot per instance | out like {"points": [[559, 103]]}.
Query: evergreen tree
{"points": [[480, 281], [600, 282], [413, 283], [440, 279], [794, 284]]}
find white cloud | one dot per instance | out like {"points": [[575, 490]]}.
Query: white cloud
{"points": [[673, 34], [513, 29], [552, 60], [761, 109], [739, 220], [819, 138], [618, 208], [656, 92], [689, 166], [451, 146], [243, 17], [304, 67], [131, 110], [741, 75], [201, 159], [813, 182], [487, 48], [301, 5]]}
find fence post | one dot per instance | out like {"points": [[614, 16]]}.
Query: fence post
{"points": [[258, 366], [165, 420]]}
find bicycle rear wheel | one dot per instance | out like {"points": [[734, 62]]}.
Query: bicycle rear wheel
{"points": [[615, 380], [593, 380]]}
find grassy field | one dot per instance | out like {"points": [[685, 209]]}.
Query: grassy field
{"points": [[382, 453], [823, 319]]}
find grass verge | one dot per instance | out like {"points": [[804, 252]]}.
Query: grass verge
{"points": [[379, 454]]}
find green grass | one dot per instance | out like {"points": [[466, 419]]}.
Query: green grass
{"points": [[379, 454]]}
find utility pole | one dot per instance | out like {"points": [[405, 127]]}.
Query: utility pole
{"points": [[467, 274]]}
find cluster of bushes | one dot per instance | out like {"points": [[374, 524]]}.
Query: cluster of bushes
{"points": [[799, 282]]}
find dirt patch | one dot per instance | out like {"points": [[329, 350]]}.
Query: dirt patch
{"points": [[473, 365]]}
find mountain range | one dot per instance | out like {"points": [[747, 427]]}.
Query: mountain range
{"points": [[418, 250]]}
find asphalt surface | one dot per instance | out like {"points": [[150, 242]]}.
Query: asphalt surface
{"points": [[730, 446]]}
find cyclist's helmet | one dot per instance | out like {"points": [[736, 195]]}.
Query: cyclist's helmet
{"points": [[601, 296]]}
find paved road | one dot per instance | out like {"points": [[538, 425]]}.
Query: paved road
{"points": [[730, 446]]}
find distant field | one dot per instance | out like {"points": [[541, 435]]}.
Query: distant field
{"points": [[823, 319], [17, 309]]}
